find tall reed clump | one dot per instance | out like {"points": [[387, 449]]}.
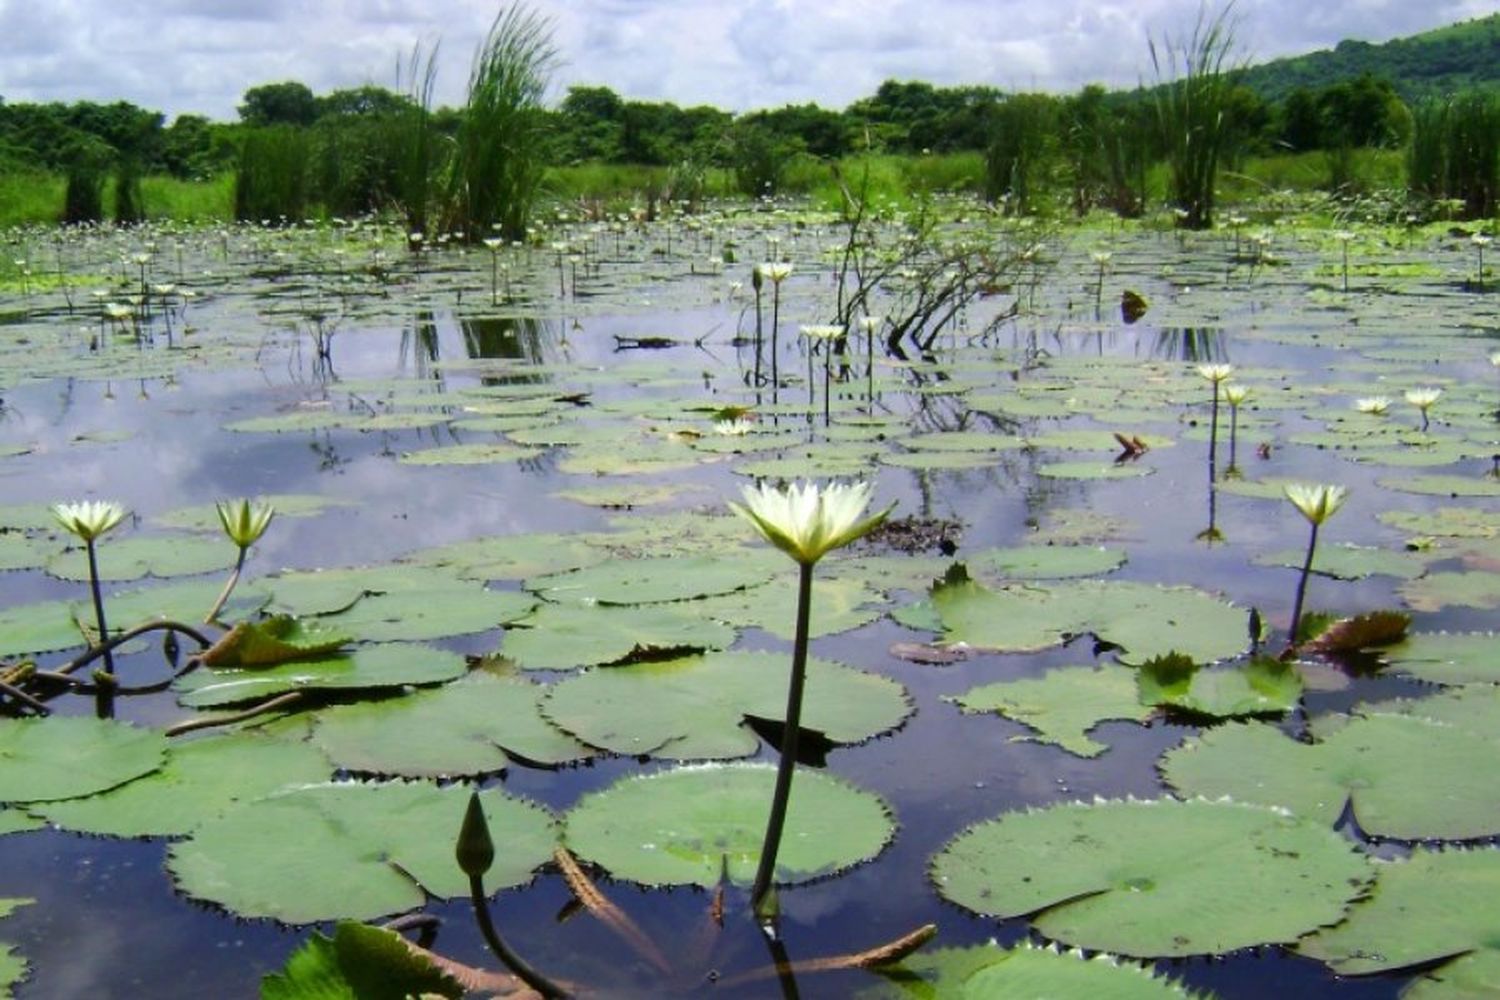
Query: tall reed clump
{"points": [[1025, 125], [271, 182], [417, 144], [500, 153], [83, 199], [1455, 152], [1195, 80]]}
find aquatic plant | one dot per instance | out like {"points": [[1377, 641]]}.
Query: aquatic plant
{"points": [[1216, 374], [1317, 504], [244, 521], [1236, 396], [806, 522], [499, 154], [88, 520], [1375, 406], [1480, 241], [1423, 399]]}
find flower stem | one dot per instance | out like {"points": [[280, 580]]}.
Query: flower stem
{"points": [[234, 578], [1312, 544], [1213, 435], [772, 842], [515, 963], [109, 660]]}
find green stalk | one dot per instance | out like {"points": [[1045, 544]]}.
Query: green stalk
{"points": [[1213, 435], [515, 963], [104, 697], [789, 735], [1312, 544], [229, 584]]}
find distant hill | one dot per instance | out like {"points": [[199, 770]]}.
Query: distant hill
{"points": [[1432, 64]]}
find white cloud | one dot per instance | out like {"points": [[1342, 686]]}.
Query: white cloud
{"points": [[201, 55]]}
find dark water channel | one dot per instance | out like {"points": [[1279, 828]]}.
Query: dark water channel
{"points": [[107, 921]]}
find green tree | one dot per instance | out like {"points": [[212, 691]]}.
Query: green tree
{"points": [[286, 103]]}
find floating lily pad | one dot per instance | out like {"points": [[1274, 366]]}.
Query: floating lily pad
{"points": [[1445, 486], [1064, 704], [275, 640], [63, 757], [19, 551], [838, 605], [694, 708], [358, 961], [1093, 470], [1158, 878], [198, 780], [1348, 562], [658, 579], [1432, 906], [626, 494], [353, 850], [1447, 657], [475, 725], [1450, 522], [564, 636], [468, 454], [39, 627], [512, 557], [1261, 686], [393, 664], [1435, 591], [689, 825], [937, 460], [1046, 562], [1409, 778], [13, 965], [987, 970], [394, 603], [16, 821]]}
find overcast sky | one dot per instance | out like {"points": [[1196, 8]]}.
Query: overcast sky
{"points": [[200, 55]]}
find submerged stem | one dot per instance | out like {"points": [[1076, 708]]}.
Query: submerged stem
{"points": [[789, 734]]}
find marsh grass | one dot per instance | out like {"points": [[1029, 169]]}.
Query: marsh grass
{"points": [[30, 197], [1455, 152], [210, 200], [500, 149], [272, 180], [1195, 79]]}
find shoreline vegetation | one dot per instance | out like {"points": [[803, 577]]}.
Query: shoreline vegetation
{"points": [[1421, 144]]}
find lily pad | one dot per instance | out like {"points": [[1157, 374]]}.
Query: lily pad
{"points": [[468, 454], [987, 970], [475, 725], [1348, 562], [1064, 704], [276, 640], [1435, 591], [1432, 906], [690, 825], [1406, 777], [1046, 562], [658, 579], [393, 664], [39, 627], [45, 760], [1444, 486], [1157, 878], [1447, 657], [512, 557], [1448, 522], [1261, 686], [1093, 470], [359, 961], [352, 850], [838, 605], [564, 636], [694, 708], [198, 780]]}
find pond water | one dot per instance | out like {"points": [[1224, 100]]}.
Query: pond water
{"points": [[593, 369]]}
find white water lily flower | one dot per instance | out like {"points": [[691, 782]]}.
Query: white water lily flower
{"points": [[1235, 395], [776, 272], [1423, 398], [1495, 359], [1317, 503], [1376, 405], [1216, 373], [244, 521], [823, 331], [88, 519], [870, 324], [733, 428], [807, 521]]}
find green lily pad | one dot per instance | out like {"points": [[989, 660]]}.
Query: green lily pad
{"points": [[468, 454], [275, 640], [1157, 878], [937, 460], [564, 636], [838, 605], [1468, 977], [1446, 657], [694, 708], [394, 664], [1064, 704], [987, 970], [1143, 620], [1046, 562], [16, 821], [626, 494], [1093, 470], [1348, 562], [689, 825], [352, 850], [1444, 486], [658, 579], [1435, 591], [476, 725], [39, 627], [18, 551], [512, 557], [1448, 522], [395, 603], [359, 961], [1409, 778], [64, 757], [1262, 686], [198, 780], [133, 558], [1432, 906], [13, 965]]}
